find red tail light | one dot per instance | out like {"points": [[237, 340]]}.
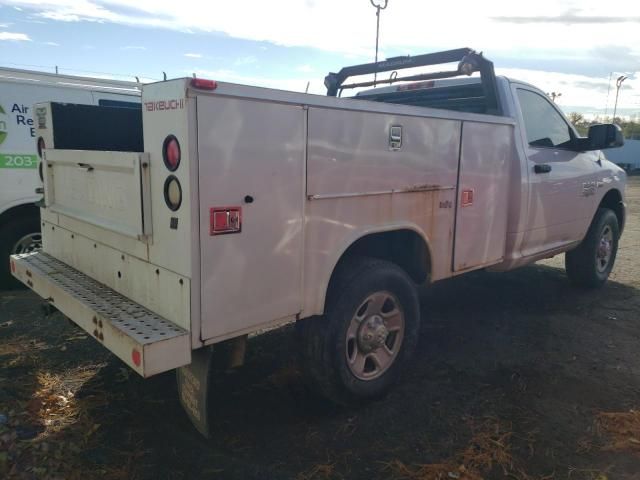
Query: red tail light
{"points": [[204, 84], [171, 153]]}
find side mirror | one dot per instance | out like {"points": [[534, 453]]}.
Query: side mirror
{"points": [[605, 135]]}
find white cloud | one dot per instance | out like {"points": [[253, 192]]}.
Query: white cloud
{"points": [[350, 26], [305, 68], [193, 55], [248, 60], [62, 17], [14, 37], [566, 32], [51, 44], [133, 47], [578, 89]]}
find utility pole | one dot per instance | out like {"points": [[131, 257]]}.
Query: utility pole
{"points": [[378, 7], [619, 81]]}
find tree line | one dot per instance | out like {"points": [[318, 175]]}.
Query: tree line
{"points": [[630, 128]]}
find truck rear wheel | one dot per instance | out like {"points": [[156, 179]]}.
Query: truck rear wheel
{"points": [[20, 235], [357, 350], [590, 264]]}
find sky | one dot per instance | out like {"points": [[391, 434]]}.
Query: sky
{"points": [[576, 48]]}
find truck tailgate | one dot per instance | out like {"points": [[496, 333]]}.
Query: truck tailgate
{"points": [[106, 189], [146, 342]]}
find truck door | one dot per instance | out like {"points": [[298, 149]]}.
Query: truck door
{"points": [[251, 183], [558, 174]]}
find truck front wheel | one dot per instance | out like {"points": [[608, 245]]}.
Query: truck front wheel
{"points": [[357, 350], [590, 264], [20, 235]]}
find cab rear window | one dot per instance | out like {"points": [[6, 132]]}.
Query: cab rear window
{"points": [[463, 98]]}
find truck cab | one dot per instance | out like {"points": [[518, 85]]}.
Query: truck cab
{"points": [[558, 180]]}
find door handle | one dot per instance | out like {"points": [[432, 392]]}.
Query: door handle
{"points": [[85, 166], [542, 168], [395, 137]]}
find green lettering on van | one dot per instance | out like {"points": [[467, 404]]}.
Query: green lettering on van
{"points": [[17, 160]]}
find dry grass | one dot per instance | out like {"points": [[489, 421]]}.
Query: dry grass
{"points": [[489, 448], [431, 471], [63, 424], [622, 430], [318, 472], [20, 345], [282, 377], [54, 403]]}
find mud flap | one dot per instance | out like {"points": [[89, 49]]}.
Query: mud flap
{"points": [[194, 381]]}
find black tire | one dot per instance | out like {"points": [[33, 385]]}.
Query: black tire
{"points": [[585, 265], [10, 234], [324, 344]]}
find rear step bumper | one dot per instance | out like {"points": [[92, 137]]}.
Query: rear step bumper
{"points": [[146, 342]]}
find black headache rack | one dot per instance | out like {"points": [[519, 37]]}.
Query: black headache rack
{"points": [[468, 60]]}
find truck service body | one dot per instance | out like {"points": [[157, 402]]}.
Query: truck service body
{"points": [[248, 208], [20, 90]]}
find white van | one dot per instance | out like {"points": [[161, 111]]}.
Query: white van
{"points": [[19, 160]]}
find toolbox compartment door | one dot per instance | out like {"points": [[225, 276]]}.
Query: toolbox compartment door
{"points": [[483, 193], [251, 166]]}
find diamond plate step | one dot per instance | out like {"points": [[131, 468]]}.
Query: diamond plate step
{"points": [[145, 341]]}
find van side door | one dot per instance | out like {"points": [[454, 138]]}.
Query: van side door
{"points": [[557, 204]]}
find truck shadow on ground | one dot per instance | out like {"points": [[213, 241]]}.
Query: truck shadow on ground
{"points": [[523, 349]]}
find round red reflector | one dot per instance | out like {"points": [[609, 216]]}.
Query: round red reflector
{"points": [[136, 358], [41, 146], [172, 193], [171, 153]]}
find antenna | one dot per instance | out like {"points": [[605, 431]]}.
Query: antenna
{"points": [[378, 7], [137, 80], [306, 90], [164, 76]]}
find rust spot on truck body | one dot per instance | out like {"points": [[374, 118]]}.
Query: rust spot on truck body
{"points": [[422, 187]]}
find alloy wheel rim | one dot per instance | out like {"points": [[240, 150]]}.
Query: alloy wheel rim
{"points": [[375, 335], [604, 249], [28, 243]]}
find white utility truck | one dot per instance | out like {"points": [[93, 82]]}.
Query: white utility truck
{"points": [[248, 208], [19, 160]]}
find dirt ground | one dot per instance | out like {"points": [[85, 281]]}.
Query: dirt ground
{"points": [[517, 376]]}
